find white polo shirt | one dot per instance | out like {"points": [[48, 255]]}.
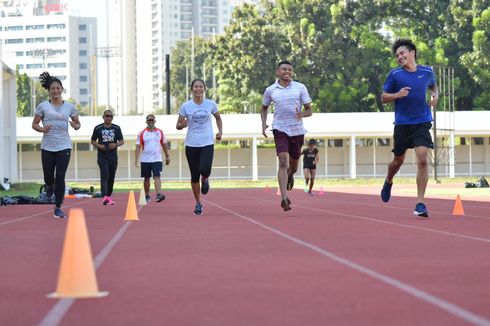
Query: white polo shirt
{"points": [[287, 100], [151, 141]]}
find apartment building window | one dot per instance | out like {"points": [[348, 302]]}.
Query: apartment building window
{"points": [[83, 91], [82, 40], [14, 41], [83, 78], [35, 40], [34, 66], [57, 65], [31, 27], [14, 28], [57, 39], [56, 26], [82, 27], [19, 53], [83, 66], [19, 66], [82, 53]]}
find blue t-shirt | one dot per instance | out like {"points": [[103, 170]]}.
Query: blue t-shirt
{"points": [[412, 109]]}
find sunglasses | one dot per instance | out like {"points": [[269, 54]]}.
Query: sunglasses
{"points": [[109, 116], [150, 120]]}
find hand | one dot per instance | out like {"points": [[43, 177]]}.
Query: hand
{"points": [[101, 147], [111, 146], [167, 160], [433, 100], [46, 128], [299, 114], [136, 164], [404, 92], [264, 128], [218, 136], [75, 125]]}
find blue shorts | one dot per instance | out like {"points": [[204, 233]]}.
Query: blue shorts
{"points": [[148, 168]]}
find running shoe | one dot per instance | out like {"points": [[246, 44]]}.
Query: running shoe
{"points": [[306, 188], [58, 213], [421, 210], [198, 209], [286, 204], [111, 202], [204, 185], [160, 197], [386, 191], [105, 201], [148, 198], [290, 182]]}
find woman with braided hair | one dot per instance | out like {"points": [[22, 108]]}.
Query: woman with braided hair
{"points": [[52, 118]]}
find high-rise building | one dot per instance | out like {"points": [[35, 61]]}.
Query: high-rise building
{"points": [[45, 37], [145, 31]]}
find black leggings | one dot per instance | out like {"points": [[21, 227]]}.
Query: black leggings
{"points": [[200, 160], [108, 169], [56, 161]]}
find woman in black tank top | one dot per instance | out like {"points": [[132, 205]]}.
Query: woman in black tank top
{"points": [[310, 159]]}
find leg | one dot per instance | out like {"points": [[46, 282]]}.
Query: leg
{"points": [[158, 184], [422, 172], [146, 186], [193, 160], [62, 161], [312, 180], [104, 175], [205, 165], [48, 160], [306, 173], [282, 174], [111, 177], [394, 167]]}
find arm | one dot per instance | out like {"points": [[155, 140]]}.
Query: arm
{"points": [[97, 145], [181, 122], [317, 158], [36, 124], [303, 114], [263, 116], [137, 151], [75, 122], [390, 97], [167, 155], [434, 95], [219, 123]]}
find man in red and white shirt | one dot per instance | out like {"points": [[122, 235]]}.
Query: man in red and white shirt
{"points": [[149, 143]]}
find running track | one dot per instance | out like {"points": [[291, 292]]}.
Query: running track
{"points": [[336, 259]]}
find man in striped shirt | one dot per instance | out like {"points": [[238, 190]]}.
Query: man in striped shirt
{"points": [[289, 97]]}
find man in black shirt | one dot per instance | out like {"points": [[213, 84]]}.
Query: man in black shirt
{"points": [[107, 137]]}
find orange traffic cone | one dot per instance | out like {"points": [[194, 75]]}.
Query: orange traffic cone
{"points": [[458, 207], [321, 193], [266, 188], [76, 277], [131, 211], [142, 199]]}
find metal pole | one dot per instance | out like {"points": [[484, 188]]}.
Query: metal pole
{"points": [[167, 76]]}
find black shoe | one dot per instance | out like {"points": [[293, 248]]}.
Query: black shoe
{"points": [[198, 209], [386, 191], [160, 197], [204, 185], [290, 184], [286, 204]]}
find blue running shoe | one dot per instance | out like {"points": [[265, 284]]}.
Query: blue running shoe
{"points": [[58, 213], [198, 209], [421, 210], [204, 185], [386, 191]]}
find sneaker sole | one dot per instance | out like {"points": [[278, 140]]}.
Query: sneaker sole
{"points": [[420, 214]]}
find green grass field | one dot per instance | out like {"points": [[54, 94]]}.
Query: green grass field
{"points": [[455, 185]]}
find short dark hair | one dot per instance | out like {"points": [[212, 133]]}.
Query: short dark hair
{"points": [[150, 115], [46, 80], [196, 80], [406, 43], [284, 62], [312, 142]]}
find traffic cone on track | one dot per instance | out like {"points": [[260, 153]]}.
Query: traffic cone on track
{"points": [[76, 277], [131, 211], [458, 207], [142, 199]]}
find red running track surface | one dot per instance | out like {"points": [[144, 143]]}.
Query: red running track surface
{"points": [[336, 259]]}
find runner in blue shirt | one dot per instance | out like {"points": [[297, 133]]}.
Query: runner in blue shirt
{"points": [[407, 86]]}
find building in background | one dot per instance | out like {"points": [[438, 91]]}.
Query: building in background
{"points": [[146, 31], [8, 132], [42, 36]]}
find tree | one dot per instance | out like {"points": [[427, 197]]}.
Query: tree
{"points": [[24, 95]]}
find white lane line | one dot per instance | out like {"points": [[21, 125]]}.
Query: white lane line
{"points": [[59, 310], [38, 214], [451, 308], [457, 235]]}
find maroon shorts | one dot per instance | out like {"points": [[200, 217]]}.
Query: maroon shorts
{"points": [[288, 144]]}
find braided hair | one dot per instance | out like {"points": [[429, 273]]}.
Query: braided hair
{"points": [[46, 80]]}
